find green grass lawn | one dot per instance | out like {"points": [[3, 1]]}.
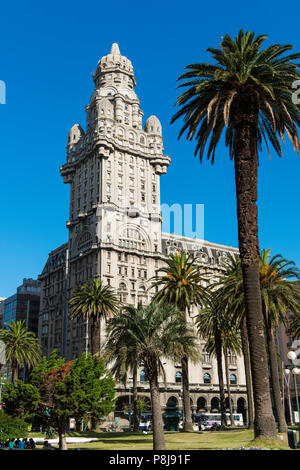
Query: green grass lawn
{"points": [[177, 441]]}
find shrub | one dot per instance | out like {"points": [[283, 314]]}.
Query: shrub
{"points": [[11, 428]]}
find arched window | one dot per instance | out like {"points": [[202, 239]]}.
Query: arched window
{"points": [[178, 377], [143, 376], [207, 378], [233, 380]]}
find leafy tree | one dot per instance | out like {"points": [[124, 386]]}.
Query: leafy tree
{"points": [[22, 346], [155, 332], [11, 427], [96, 302], [179, 282], [64, 390], [247, 91], [21, 400]]}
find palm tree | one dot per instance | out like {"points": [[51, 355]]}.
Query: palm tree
{"points": [[154, 332], [231, 283], [280, 297], [231, 341], [294, 326], [248, 91], [22, 346], [95, 301], [180, 283], [210, 323], [122, 350]]}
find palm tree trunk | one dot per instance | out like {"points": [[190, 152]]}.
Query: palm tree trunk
{"points": [[95, 337], [245, 122], [135, 399], [245, 348], [228, 387], [15, 371], [278, 408], [157, 421], [188, 425], [218, 346], [186, 401]]}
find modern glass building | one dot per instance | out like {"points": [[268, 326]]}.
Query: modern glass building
{"points": [[24, 305]]}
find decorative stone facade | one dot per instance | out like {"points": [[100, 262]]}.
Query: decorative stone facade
{"points": [[114, 224]]}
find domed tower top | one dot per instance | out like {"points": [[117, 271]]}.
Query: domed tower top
{"points": [[114, 67], [153, 125]]}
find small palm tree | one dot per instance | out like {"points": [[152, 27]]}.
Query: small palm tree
{"points": [[154, 332], [122, 350], [231, 341], [248, 91], [95, 301], [231, 283], [22, 346], [294, 325], [210, 322], [280, 297], [181, 283]]}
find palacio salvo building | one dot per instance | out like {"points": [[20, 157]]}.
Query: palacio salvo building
{"points": [[114, 169]]}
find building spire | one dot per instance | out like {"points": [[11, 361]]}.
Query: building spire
{"points": [[115, 49]]}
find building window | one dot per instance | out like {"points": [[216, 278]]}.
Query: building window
{"points": [[233, 379], [206, 358], [178, 377], [207, 378], [143, 376]]}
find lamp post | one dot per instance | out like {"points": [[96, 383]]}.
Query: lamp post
{"points": [[295, 371], [2, 382], [129, 401], [287, 377]]}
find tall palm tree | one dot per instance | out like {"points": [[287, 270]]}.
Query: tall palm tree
{"points": [[248, 90], [22, 346], [210, 323], [121, 350], [180, 283], [95, 301], [154, 332]]}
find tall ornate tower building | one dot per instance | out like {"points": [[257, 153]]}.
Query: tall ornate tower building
{"points": [[114, 170]]}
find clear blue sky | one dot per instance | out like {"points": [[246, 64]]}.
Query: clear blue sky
{"points": [[48, 52]]}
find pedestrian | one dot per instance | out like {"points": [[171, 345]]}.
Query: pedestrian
{"points": [[47, 446], [21, 444], [11, 444], [31, 444]]}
